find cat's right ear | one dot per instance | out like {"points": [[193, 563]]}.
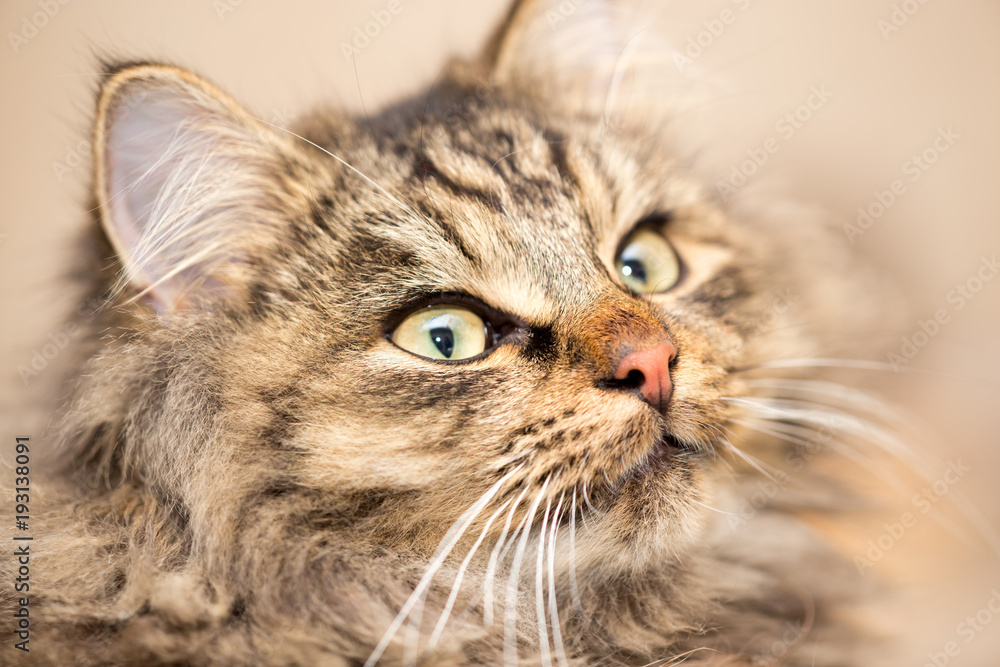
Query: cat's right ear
{"points": [[578, 53], [187, 186]]}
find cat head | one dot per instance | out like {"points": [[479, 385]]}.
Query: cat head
{"points": [[505, 299]]}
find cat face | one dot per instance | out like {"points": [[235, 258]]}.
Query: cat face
{"points": [[583, 383], [361, 371], [487, 310], [524, 237]]}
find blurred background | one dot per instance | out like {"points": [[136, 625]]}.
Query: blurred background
{"points": [[902, 144]]}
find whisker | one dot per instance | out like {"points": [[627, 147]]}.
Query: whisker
{"points": [[789, 410], [820, 362], [586, 499], [861, 364], [618, 73], [510, 607], [780, 430], [448, 543], [814, 386], [714, 509], [557, 638], [495, 557], [543, 629], [680, 657], [443, 619], [504, 157], [720, 436], [573, 587], [840, 393], [845, 395], [750, 460]]}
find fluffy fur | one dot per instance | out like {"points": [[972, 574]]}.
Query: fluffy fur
{"points": [[251, 474]]}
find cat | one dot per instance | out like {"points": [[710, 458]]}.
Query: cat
{"points": [[490, 377]]}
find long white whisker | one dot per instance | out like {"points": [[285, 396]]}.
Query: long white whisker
{"points": [[543, 629], [806, 437], [586, 499], [792, 411], [822, 362], [720, 437], [679, 658], [758, 466], [510, 606], [842, 394], [557, 638], [860, 364], [443, 619], [495, 558], [714, 509], [810, 438], [778, 430], [835, 390], [573, 587], [448, 543], [784, 411]]}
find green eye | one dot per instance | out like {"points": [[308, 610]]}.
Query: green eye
{"points": [[447, 332], [647, 264]]}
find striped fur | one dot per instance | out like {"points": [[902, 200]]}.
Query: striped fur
{"points": [[252, 474]]}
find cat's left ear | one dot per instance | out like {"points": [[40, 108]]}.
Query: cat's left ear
{"points": [[596, 56], [190, 187]]}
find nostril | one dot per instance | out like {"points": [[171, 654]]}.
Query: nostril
{"points": [[634, 379], [647, 371]]}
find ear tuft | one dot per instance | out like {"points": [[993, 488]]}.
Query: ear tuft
{"points": [[600, 57], [185, 184]]}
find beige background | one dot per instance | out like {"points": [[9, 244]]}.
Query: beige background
{"points": [[890, 96]]}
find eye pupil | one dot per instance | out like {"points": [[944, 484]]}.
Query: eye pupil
{"points": [[634, 269], [444, 340]]}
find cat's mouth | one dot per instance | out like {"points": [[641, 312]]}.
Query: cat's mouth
{"points": [[652, 483], [664, 450]]}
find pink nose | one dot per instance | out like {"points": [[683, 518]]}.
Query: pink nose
{"points": [[649, 369]]}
